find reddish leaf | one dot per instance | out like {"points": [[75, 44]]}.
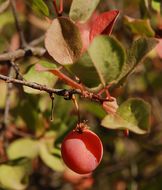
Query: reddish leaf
{"points": [[63, 41], [103, 24], [85, 30], [61, 76]]}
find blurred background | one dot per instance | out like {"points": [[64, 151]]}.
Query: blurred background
{"points": [[131, 162]]}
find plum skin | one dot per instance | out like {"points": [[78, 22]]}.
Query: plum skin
{"points": [[82, 152]]}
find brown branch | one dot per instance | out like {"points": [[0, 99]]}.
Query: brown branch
{"points": [[29, 84], [36, 51], [67, 94], [7, 103], [37, 41], [16, 68], [17, 23]]}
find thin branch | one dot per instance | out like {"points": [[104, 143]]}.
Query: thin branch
{"points": [[7, 104], [17, 23], [33, 85], [16, 68], [4, 124], [61, 92], [36, 51], [37, 41]]}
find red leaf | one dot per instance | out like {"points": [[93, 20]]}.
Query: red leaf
{"points": [[103, 24]]}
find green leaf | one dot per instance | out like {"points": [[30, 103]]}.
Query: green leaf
{"points": [[156, 5], [43, 78], [81, 10], [94, 109], [50, 160], [24, 147], [39, 7], [5, 19], [145, 8], [14, 177], [28, 111], [3, 44], [133, 115], [108, 57], [85, 71], [139, 49], [139, 26], [63, 41]]}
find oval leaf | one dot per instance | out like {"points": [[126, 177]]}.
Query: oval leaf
{"points": [[108, 57], [13, 177], [85, 71], [103, 24], [139, 26], [133, 115], [139, 49], [81, 10], [43, 78], [63, 41], [38, 6], [50, 160], [23, 148]]}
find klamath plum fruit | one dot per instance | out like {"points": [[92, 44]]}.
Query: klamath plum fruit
{"points": [[82, 150]]}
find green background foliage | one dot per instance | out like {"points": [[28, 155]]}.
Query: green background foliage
{"points": [[128, 60]]}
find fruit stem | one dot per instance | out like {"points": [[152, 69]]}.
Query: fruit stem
{"points": [[77, 107], [52, 105]]}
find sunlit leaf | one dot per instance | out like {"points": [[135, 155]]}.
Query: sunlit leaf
{"points": [[108, 57], [24, 147], [63, 41], [14, 177], [139, 26], [81, 10], [50, 160], [43, 78], [133, 115], [156, 5], [6, 18], [39, 7]]}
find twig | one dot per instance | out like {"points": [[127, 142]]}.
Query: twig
{"points": [[4, 6], [17, 23], [37, 41], [61, 92], [16, 68], [36, 51], [4, 124], [7, 104], [157, 108]]}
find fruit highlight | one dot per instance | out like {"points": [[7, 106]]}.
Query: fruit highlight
{"points": [[82, 151]]}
